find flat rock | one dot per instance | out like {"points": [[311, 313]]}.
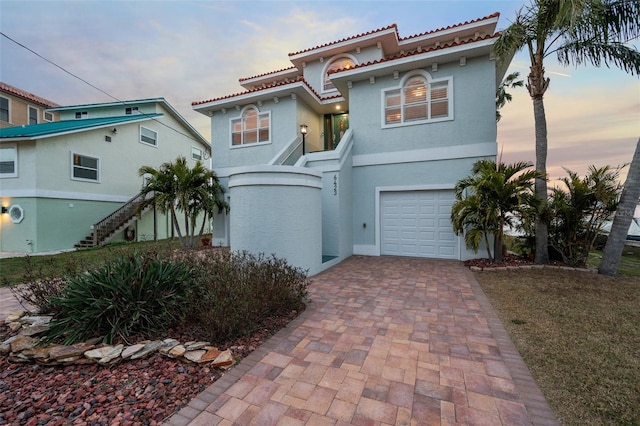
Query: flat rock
{"points": [[20, 343], [147, 349], [177, 351], [63, 353], [225, 359], [130, 350], [33, 330], [167, 345], [192, 346], [36, 320], [14, 316], [15, 325], [194, 356], [210, 355], [105, 354], [39, 353]]}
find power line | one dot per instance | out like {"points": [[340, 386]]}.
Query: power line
{"points": [[93, 86]]}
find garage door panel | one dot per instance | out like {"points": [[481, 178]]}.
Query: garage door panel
{"points": [[417, 223]]}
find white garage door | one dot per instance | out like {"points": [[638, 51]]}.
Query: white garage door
{"points": [[418, 224]]}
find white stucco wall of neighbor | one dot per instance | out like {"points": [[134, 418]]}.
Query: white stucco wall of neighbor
{"points": [[277, 210]]}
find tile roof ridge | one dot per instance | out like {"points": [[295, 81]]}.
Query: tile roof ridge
{"points": [[484, 18], [299, 79], [27, 95], [267, 73], [418, 52], [394, 26]]}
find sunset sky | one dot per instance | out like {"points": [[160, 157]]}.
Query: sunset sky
{"points": [[187, 51]]}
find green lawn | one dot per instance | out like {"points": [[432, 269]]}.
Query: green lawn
{"points": [[579, 334]]}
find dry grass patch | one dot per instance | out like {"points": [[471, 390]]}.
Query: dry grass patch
{"points": [[579, 334]]}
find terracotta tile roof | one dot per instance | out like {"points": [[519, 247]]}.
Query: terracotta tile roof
{"points": [[418, 52], [4, 87], [266, 73], [493, 15], [394, 26], [270, 86]]}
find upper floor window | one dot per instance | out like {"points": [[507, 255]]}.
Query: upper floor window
{"points": [[338, 64], [85, 168], [148, 136], [81, 114], [47, 116], [4, 109], [419, 99], [251, 127], [8, 161], [196, 153], [130, 110], [33, 115]]}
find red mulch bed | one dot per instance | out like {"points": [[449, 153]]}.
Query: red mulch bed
{"points": [[140, 392], [508, 260]]}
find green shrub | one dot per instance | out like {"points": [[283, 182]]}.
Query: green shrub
{"points": [[135, 293], [237, 292]]}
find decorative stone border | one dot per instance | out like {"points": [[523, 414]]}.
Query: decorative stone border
{"points": [[520, 267], [24, 347]]}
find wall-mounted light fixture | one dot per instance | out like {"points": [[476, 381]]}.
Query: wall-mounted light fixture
{"points": [[5, 210], [303, 131]]}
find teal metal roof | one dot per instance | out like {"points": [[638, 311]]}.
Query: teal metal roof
{"points": [[34, 131]]}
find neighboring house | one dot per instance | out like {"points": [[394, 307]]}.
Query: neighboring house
{"points": [[59, 180], [392, 124], [18, 107]]}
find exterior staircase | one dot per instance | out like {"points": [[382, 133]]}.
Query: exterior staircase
{"points": [[111, 225]]}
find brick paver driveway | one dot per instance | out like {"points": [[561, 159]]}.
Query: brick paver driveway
{"points": [[384, 341]]}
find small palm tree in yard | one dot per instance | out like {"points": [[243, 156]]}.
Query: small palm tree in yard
{"points": [[493, 197], [195, 192]]}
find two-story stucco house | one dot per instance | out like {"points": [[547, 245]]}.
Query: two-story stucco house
{"points": [[356, 148], [61, 182], [18, 107]]}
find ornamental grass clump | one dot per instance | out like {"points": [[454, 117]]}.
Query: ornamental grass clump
{"points": [[239, 291], [134, 294]]}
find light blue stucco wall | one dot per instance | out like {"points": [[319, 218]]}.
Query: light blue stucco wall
{"points": [[277, 210]]}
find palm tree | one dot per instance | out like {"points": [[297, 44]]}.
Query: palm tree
{"points": [[578, 32], [622, 219], [493, 197], [502, 96], [175, 187]]}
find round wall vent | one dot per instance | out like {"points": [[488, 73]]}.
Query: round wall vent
{"points": [[16, 213]]}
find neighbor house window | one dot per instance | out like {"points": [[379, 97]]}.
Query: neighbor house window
{"points": [[47, 116], [33, 115], [338, 64], [85, 168], [8, 161], [196, 153], [130, 110], [418, 100], [4, 109], [81, 114], [148, 136], [252, 127]]}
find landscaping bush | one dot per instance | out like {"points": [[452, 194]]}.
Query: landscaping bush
{"points": [[133, 294], [237, 292]]}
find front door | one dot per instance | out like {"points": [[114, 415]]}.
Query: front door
{"points": [[335, 125]]}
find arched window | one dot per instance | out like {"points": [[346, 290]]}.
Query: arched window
{"points": [[251, 127], [337, 64], [419, 99]]}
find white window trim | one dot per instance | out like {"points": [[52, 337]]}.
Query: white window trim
{"points": [[401, 86], [239, 117], [29, 108], [44, 116], [15, 172], [201, 159], [328, 65], [8, 109], [147, 143], [83, 179]]}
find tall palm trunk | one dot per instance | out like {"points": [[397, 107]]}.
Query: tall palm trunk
{"points": [[537, 86], [622, 220]]}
